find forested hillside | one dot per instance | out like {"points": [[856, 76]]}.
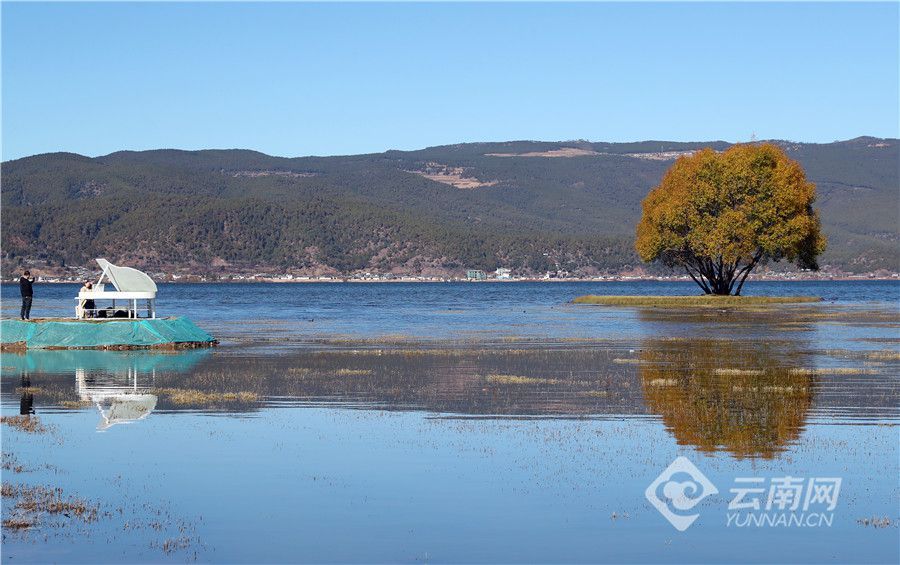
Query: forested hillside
{"points": [[529, 206]]}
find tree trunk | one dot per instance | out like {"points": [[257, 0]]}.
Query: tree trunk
{"points": [[719, 277]]}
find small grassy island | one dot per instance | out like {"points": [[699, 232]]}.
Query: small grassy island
{"points": [[703, 301]]}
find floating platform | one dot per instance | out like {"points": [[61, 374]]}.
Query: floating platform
{"points": [[57, 333]]}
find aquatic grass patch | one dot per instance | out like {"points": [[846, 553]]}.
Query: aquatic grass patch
{"points": [[822, 371], [784, 389], [47, 393], [384, 340], [856, 316], [519, 380], [75, 404], [882, 355], [188, 397], [32, 503], [872, 355], [57, 514], [175, 544], [776, 389], [867, 356], [10, 463], [28, 424], [878, 339], [739, 372], [352, 372], [450, 378], [705, 301], [16, 524], [875, 522], [662, 382]]}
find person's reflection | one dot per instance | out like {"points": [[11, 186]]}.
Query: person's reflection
{"points": [[26, 403], [748, 399]]}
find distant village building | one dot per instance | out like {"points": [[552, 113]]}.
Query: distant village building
{"points": [[503, 273], [475, 275]]}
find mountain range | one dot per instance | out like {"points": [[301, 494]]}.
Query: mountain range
{"points": [[526, 205]]}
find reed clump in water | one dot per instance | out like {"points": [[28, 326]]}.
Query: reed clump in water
{"points": [[10, 463], [29, 424], [353, 372], [662, 382], [520, 380], [198, 397], [725, 372], [818, 371], [33, 502], [871, 355], [875, 522], [75, 404]]}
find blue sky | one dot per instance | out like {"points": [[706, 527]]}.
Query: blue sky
{"points": [[301, 79]]}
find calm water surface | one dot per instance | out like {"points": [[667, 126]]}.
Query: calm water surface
{"points": [[456, 422]]}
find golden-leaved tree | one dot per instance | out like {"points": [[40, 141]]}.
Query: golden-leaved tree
{"points": [[719, 215]]}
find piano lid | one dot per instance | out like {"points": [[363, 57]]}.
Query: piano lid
{"points": [[126, 279]]}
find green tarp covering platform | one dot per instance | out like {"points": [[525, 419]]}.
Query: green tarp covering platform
{"points": [[83, 334]]}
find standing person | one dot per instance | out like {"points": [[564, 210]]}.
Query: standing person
{"points": [[25, 288]]}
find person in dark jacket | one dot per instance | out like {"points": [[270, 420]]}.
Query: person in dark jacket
{"points": [[25, 288]]}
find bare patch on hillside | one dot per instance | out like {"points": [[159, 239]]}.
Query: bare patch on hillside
{"points": [[562, 152], [453, 176], [660, 155], [289, 174], [90, 189], [576, 152]]}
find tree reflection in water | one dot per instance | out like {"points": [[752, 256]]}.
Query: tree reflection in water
{"points": [[748, 399]]}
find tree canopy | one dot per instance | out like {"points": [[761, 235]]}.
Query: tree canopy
{"points": [[719, 215]]}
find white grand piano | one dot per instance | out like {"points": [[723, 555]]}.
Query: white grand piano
{"points": [[133, 288], [118, 402]]}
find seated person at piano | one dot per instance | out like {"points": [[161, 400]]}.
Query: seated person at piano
{"points": [[86, 306]]}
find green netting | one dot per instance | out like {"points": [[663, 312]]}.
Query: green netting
{"points": [[66, 333]]}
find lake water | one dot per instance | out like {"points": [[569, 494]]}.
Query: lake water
{"points": [[466, 422]]}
